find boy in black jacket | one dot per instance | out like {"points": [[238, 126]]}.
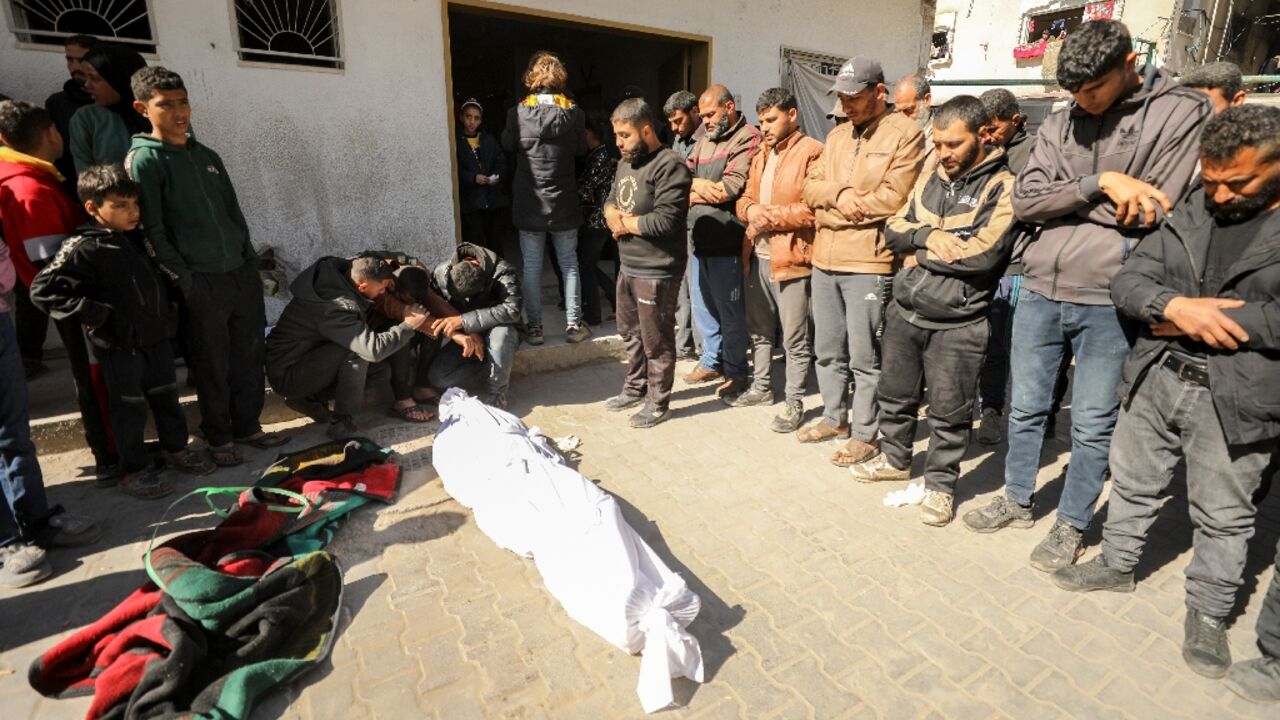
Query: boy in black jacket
{"points": [[102, 278]]}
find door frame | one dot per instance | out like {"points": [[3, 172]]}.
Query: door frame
{"points": [[697, 62]]}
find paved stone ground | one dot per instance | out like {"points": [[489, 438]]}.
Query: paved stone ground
{"points": [[818, 601]]}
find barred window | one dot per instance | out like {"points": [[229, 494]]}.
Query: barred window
{"points": [[289, 32], [50, 22]]}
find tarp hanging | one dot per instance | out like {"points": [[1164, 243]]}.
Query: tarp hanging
{"points": [[810, 77]]}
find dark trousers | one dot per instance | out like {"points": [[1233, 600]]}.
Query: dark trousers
{"points": [[721, 315], [226, 321], [948, 363], [596, 283], [136, 380], [92, 402], [1269, 616], [688, 339], [409, 367], [995, 371], [484, 228], [448, 368], [647, 324], [32, 325], [25, 505], [1167, 419], [329, 372]]}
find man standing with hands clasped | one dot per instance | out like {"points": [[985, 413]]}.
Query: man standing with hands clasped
{"points": [[646, 212]]}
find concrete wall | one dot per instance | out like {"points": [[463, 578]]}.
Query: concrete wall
{"points": [[332, 162]]}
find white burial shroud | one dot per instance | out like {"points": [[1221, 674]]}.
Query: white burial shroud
{"points": [[603, 573]]}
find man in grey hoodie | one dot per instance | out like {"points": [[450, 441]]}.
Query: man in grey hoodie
{"points": [[1103, 173]]}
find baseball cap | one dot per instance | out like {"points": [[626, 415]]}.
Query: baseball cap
{"points": [[837, 111], [856, 74]]}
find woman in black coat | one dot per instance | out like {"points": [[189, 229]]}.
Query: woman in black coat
{"points": [[481, 169]]}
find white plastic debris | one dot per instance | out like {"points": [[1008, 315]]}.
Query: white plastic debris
{"points": [[602, 572], [912, 494], [568, 442]]}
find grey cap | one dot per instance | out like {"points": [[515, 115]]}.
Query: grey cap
{"points": [[856, 75], [837, 111]]}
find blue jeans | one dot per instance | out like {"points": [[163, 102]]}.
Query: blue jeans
{"points": [[1042, 330], [566, 245], [25, 505], [449, 369], [720, 312]]}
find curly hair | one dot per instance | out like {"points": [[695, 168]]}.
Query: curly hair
{"points": [[546, 72], [1237, 128]]}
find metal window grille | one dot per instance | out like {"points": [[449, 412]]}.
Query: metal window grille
{"points": [[50, 22], [289, 32]]}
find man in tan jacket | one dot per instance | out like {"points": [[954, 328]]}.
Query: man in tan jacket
{"points": [[779, 246], [863, 177]]}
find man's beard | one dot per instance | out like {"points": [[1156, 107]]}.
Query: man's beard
{"points": [[1244, 208], [635, 154], [718, 131], [924, 115], [966, 162]]}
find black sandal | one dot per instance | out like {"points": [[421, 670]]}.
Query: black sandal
{"points": [[406, 413]]}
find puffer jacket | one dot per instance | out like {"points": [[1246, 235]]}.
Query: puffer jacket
{"points": [[882, 164], [499, 304], [791, 240], [546, 132], [1170, 264], [975, 207]]}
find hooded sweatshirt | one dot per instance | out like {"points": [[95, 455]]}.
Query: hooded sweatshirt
{"points": [[1153, 135], [99, 134], [546, 132], [35, 214], [499, 303], [327, 308], [975, 207], [190, 212]]}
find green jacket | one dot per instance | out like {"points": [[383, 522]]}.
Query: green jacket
{"points": [[190, 214], [98, 137]]}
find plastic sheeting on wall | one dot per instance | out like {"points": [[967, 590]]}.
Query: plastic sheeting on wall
{"points": [[810, 86], [602, 572]]}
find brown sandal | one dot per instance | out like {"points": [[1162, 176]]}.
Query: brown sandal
{"points": [[226, 456], [854, 452], [821, 431]]}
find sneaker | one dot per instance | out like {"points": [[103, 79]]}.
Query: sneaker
{"points": [[649, 416], [751, 397], [576, 333], [1205, 647], [788, 421], [495, 400], [730, 389], [1060, 548], [936, 508], [341, 426], [106, 475], [1000, 513], [989, 429], [23, 564], [877, 469], [73, 530], [623, 401], [533, 335], [1094, 575], [1256, 680], [701, 375]]}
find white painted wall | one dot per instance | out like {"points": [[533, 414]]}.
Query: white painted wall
{"points": [[330, 163]]}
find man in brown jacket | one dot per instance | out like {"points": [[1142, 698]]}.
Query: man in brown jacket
{"points": [[779, 246], [864, 176]]}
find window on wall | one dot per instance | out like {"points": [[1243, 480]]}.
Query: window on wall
{"points": [[50, 22], [289, 32], [1052, 24]]}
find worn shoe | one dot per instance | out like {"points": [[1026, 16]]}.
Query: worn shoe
{"points": [[623, 401], [731, 388], [190, 462], [341, 426], [1060, 548], [853, 452], [877, 469], [1094, 575], [789, 419], [576, 333], [820, 431], [1205, 648], [1256, 680], [73, 530], [495, 400], [751, 397], [936, 508], [23, 564], [533, 335], [989, 429], [649, 416], [701, 375], [106, 475], [145, 485], [1000, 513]]}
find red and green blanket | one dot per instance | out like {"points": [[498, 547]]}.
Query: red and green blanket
{"points": [[230, 612]]}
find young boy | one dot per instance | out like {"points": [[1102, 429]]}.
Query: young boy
{"points": [[103, 280], [195, 231]]}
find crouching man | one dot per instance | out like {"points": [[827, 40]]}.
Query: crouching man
{"points": [[955, 233], [478, 345], [322, 347], [1200, 382]]}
